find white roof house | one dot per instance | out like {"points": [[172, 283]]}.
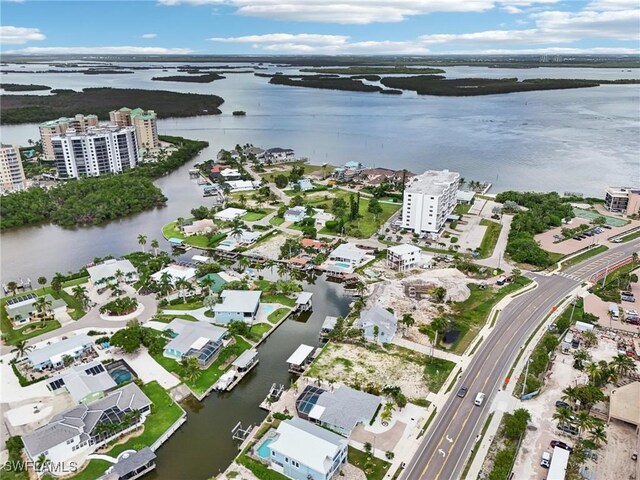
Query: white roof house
{"points": [[108, 269], [241, 185], [403, 257], [53, 353], [348, 252], [377, 317], [344, 408], [246, 237], [464, 196], [295, 214], [199, 227], [308, 444], [84, 382], [176, 272], [237, 305], [404, 249], [302, 353], [196, 339], [229, 214]]}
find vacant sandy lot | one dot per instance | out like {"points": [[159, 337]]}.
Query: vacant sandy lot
{"points": [[269, 249], [350, 363]]}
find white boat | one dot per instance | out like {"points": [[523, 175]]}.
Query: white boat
{"points": [[224, 381]]}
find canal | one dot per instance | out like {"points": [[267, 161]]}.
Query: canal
{"points": [[203, 447]]}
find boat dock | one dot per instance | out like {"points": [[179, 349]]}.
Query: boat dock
{"points": [[239, 369], [303, 302], [301, 359], [273, 396]]}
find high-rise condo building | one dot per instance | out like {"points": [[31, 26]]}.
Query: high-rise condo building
{"points": [[143, 121], [11, 173], [428, 200], [99, 150], [52, 128]]}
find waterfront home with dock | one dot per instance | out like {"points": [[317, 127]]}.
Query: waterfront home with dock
{"points": [[199, 227], [239, 368], [300, 359], [303, 451], [85, 383], [278, 155], [377, 325], [327, 326], [194, 339], [303, 302], [340, 410], [237, 305], [175, 271], [25, 308], [81, 428], [131, 465], [229, 214]]}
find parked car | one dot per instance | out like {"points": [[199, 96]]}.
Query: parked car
{"points": [[631, 312], [633, 320], [617, 240], [568, 428], [546, 460], [608, 227], [628, 298], [462, 392], [558, 443], [560, 403]]}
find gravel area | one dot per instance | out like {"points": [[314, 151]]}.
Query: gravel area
{"points": [[269, 249]]}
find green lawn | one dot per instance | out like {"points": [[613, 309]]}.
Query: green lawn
{"points": [[584, 256], [184, 306], [168, 318], [170, 230], [631, 236], [373, 468], [255, 216], [277, 315], [490, 238], [276, 221], [164, 413], [470, 316], [211, 375], [257, 330], [611, 291], [462, 208]]}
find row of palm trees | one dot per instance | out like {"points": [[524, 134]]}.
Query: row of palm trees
{"points": [[142, 241], [583, 422]]}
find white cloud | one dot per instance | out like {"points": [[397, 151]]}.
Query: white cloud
{"points": [[284, 38], [19, 35], [550, 50], [511, 37], [148, 36], [365, 48], [613, 5], [102, 50], [617, 24], [354, 11]]}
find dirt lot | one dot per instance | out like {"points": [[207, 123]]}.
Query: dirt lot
{"points": [[613, 457], [350, 363], [269, 249]]}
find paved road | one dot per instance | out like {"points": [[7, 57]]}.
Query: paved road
{"points": [[443, 453]]}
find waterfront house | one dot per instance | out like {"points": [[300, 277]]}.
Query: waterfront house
{"points": [[229, 214], [131, 465], [303, 451], [215, 172], [175, 272], [256, 152], [303, 302], [377, 176], [240, 185], [348, 254], [237, 305], [24, 308], [245, 237], [194, 339], [279, 155], [340, 410], [213, 281], [199, 227], [81, 428], [52, 356], [464, 197], [403, 257], [245, 361], [85, 383], [108, 269], [228, 174], [383, 319], [295, 214]]}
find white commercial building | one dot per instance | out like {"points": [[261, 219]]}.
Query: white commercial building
{"points": [[429, 200], [99, 150], [229, 214]]}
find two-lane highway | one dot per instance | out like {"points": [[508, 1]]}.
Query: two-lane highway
{"points": [[442, 453]]}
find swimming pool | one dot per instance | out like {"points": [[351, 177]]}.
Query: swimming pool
{"points": [[268, 309], [121, 375], [263, 450], [342, 265]]}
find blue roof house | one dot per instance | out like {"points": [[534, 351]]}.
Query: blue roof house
{"points": [[303, 451]]}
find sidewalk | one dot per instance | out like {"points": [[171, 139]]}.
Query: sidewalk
{"points": [[427, 350], [497, 260]]}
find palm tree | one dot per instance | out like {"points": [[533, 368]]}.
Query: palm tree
{"points": [[57, 281], [42, 305], [21, 348], [165, 283], [42, 281], [182, 285], [80, 294], [590, 339], [623, 365], [579, 357], [12, 286], [142, 240], [408, 321], [270, 264], [583, 421], [564, 416], [283, 270], [243, 263], [236, 227], [180, 221], [155, 245], [190, 368], [571, 394], [598, 434], [593, 370], [41, 463]]}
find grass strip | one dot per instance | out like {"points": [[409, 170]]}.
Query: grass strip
{"points": [[476, 447]]}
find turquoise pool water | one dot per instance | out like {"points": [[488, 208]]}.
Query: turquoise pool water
{"points": [[121, 376], [263, 450], [344, 266], [268, 309]]}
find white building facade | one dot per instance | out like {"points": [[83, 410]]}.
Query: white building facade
{"points": [[11, 173], [429, 200], [100, 150]]}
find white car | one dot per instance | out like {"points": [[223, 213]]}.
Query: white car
{"points": [[631, 313]]}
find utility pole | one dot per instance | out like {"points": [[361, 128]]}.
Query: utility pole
{"points": [[606, 272]]}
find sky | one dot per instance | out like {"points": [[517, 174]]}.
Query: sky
{"points": [[325, 27]]}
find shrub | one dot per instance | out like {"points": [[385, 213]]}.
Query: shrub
{"points": [[120, 306]]}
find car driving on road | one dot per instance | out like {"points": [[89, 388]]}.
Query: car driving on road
{"points": [[462, 392]]}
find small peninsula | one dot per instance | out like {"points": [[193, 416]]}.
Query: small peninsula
{"points": [[66, 103], [16, 87], [383, 70], [324, 82]]}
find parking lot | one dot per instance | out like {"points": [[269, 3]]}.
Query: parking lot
{"points": [[549, 239]]}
